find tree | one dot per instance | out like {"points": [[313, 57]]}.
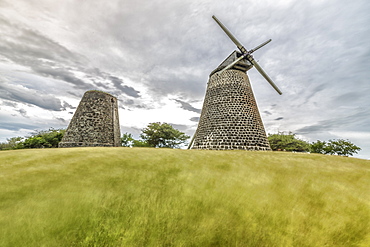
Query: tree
{"points": [[335, 147], [162, 136], [318, 147], [42, 139], [140, 144], [287, 142], [127, 140], [11, 143]]}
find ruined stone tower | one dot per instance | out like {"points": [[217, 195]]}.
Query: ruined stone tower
{"points": [[230, 118], [95, 122]]}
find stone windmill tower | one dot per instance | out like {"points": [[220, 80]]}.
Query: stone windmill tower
{"points": [[230, 118], [95, 122]]}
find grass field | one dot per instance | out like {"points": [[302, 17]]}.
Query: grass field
{"points": [[165, 197]]}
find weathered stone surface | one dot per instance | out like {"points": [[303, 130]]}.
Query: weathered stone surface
{"points": [[230, 118], [95, 122]]}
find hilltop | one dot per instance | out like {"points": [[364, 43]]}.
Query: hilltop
{"points": [[158, 197]]}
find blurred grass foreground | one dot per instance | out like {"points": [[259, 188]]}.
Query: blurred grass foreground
{"points": [[166, 197]]}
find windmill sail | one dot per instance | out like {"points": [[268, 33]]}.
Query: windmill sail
{"points": [[263, 73], [231, 36], [247, 54]]}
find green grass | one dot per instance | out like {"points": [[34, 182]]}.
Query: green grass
{"points": [[165, 197]]}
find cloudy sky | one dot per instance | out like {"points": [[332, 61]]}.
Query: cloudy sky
{"points": [[156, 56]]}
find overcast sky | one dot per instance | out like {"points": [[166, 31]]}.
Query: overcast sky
{"points": [[156, 57]]}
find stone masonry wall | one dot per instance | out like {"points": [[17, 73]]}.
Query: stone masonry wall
{"points": [[95, 122], [230, 118]]}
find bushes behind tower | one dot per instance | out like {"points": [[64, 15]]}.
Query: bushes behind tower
{"points": [[289, 142], [38, 139], [164, 135]]}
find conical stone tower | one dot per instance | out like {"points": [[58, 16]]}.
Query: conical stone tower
{"points": [[95, 122], [230, 118]]}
